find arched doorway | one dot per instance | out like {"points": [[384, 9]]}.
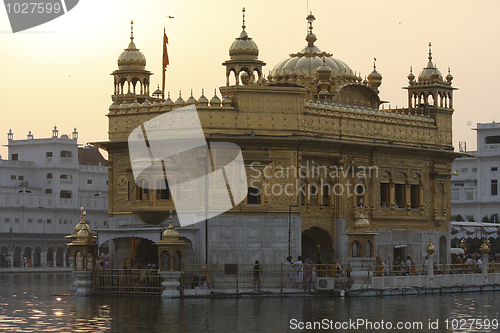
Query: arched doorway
{"points": [[59, 256], [166, 261], [17, 256], [146, 253], [317, 245], [189, 256], [37, 257], [27, 254], [68, 257], [50, 257]]}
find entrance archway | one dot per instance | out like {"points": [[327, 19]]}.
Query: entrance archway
{"points": [[59, 256], [27, 254], [37, 257], [146, 253], [189, 255], [50, 257], [17, 257], [317, 245]]}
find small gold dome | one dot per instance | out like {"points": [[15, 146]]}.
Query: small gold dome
{"points": [[485, 247], [430, 73], [170, 233], [215, 101], [243, 48], [361, 222], [84, 233], [131, 58], [169, 103], [79, 227], [430, 248], [179, 102], [202, 100]]}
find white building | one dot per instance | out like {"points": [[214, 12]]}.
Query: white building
{"points": [[43, 184], [474, 188]]}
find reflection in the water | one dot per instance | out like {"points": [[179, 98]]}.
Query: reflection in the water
{"points": [[42, 302]]}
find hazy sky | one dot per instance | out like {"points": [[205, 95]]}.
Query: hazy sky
{"points": [[58, 73]]}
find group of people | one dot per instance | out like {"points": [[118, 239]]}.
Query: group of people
{"points": [[471, 263], [401, 267], [6, 260], [301, 273]]}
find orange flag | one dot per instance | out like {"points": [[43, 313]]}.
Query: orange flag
{"points": [[165, 60]]}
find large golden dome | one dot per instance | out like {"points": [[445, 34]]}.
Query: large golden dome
{"points": [[306, 62]]}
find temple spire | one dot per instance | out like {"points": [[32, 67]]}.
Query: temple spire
{"points": [[243, 26], [310, 19], [131, 30]]}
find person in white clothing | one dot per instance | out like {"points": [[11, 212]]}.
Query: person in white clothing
{"points": [[479, 264], [299, 270]]}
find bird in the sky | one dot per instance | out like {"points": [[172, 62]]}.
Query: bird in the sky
{"points": [[169, 16]]}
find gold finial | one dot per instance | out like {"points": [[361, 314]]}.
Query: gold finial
{"points": [[485, 248], [430, 51], [463, 244], [170, 233], [374, 64], [132, 30], [430, 248], [243, 26], [310, 18]]}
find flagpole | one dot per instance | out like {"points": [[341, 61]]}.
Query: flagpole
{"points": [[164, 65]]}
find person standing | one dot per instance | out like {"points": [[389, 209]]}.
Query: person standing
{"points": [[288, 272], [256, 274], [408, 265], [379, 268], [299, 270]]}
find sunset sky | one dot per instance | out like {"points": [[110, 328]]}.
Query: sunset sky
{"points": [[58, 73]]}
